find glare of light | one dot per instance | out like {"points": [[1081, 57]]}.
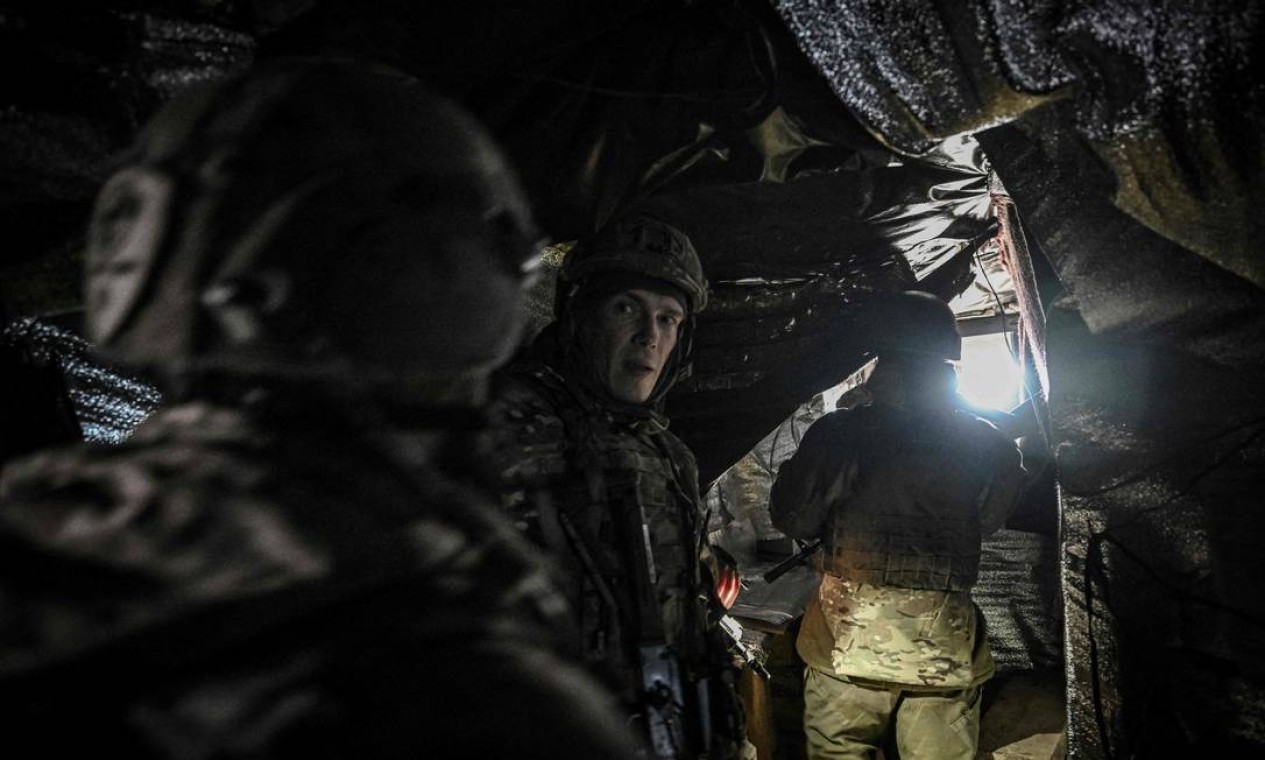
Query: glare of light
{"points": [[988, 375]]}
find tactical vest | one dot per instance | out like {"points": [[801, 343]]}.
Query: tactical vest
{"points": [[912, 519], [614, 498], [620, 489]]}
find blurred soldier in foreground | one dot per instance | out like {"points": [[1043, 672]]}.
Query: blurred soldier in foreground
{"points": [[303, 257], [593, 475], [900, 492]]}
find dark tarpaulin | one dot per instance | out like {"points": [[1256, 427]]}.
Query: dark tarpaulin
{"points": [[709, 112], [712, 118], [1155, 363], [76, 84]]}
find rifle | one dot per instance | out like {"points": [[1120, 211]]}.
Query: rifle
{"points": [[687, 698], [661, 695], [663, 702], [733, 629], [785, 566]]}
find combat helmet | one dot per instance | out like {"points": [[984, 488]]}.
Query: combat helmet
{"points": [[643, 245], [311, 218], [915, 325]]}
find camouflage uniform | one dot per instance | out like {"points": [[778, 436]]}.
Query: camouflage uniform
{"points": [[612, 496], [610, 471], [629, 490], [241, 585], [900, 491], [874, 651]]}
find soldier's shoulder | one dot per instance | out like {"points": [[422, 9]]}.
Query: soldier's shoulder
{"points": [[498, 572], [838, 417], [104, 473], [834, 424], [984, 433], [170, 517], [682, 455], [527, 439], [524, 390], [976, 421], [32, 478]]}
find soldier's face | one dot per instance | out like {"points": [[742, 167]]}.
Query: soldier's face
{"points": [[636, 332]]}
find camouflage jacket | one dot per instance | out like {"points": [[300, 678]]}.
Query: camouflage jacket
{"points": [[612, 496], [231, 585], [901, 497]]}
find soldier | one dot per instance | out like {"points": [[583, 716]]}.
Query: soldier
{"points": [[593, 475], [900, 492], [300, 256]]}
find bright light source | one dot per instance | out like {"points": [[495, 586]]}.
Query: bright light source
{"points": [[988, 375]]}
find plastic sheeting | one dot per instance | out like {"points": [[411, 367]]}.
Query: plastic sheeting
{"points": [[709, 113], [711, 117]]}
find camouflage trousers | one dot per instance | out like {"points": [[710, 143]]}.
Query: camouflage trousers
{"points": [[847, 720]]}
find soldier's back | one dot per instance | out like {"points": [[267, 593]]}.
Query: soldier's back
{"points": [[224, 585]]}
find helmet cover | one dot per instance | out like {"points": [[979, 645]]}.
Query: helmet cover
{"points": [[645, 245]]}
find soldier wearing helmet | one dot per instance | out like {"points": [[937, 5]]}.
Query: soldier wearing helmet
{"points": [[590, 471], [900, 492], [268, 567]]}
